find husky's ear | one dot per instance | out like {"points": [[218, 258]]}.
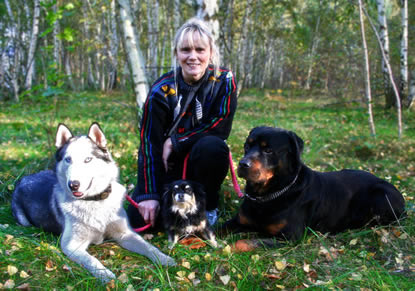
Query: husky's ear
{"points": [[95, 133], [63, 134]]}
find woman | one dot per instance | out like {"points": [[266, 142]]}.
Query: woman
{"points": [[188, 111]]}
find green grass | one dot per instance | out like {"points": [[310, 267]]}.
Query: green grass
{"points": [[336, 136]]}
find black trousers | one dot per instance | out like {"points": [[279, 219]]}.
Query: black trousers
{"points": [[208, 165]]}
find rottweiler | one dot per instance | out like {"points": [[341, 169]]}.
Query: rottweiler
{"points": [[284, 197]]}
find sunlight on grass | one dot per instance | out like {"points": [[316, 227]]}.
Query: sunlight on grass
{"points": [[336, 136]]}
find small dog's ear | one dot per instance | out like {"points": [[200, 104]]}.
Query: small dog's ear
{"points": [[63, 134], [95, 133]]}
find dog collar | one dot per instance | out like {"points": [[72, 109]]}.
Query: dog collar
{"points": [[101, 196], [274, 195]]}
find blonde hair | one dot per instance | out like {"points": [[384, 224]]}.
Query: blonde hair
{"points": [[190, 27]]}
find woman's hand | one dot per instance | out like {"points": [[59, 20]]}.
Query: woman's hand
{"points": [[149, 210], [167, 149]]}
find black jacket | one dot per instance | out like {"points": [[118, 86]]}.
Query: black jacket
{"points": [[210, 113]]}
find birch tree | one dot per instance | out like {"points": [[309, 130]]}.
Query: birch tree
{"points": [[134, 55], [384, 38], [403, 82], [32, 47], [390, 74], [366, 72], [207, 10]]}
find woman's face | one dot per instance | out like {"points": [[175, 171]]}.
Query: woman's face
{"points": [[193, 55]]}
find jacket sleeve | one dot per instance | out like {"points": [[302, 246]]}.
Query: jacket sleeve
{"points": [[219, 121], [150, 164]]}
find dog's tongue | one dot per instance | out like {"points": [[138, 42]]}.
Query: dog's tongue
{"points": [[77, 194]]}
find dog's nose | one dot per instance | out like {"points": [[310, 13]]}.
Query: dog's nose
{"points": [[181, 196], [245, 163], [74, 185]]}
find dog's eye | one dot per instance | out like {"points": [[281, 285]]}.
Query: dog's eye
{"points": [[68, 160], [268, 151], [176, 187], [187, 188], [88, 159]]}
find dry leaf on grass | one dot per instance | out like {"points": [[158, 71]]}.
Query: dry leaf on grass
{"points": [[193, 242]]}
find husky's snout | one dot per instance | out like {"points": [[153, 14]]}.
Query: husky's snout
{"points": [[74, 185]]}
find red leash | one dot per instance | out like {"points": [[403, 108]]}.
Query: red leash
{"points": [[234, 182], [133, 203]]}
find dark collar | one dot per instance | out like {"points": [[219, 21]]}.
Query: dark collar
{"points": [[101, 196], [274, 195]]}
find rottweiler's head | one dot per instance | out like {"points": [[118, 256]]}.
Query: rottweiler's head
{"points": [[182, 196], [270, 153]]}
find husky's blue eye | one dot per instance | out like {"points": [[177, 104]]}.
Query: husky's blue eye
{"points": [[88, 159], [68, 160]]}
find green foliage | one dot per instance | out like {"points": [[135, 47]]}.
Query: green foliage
{"points": [[336, 136]]}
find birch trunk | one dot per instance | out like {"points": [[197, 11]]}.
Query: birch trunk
{"points": [[207, 10], [113, 51], [14, 59], [403, 84], [367, 72], [134, 56], [33, 44], [314, 46], [384, 37], [390, 75], [243, 47]]}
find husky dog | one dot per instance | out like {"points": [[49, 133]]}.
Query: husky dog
{"points": [[184, 212], [82, 200]]}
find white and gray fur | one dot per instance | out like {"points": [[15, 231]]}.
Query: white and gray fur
{"points": [[82, 200]]}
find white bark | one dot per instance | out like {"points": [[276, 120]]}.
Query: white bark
{"points": [[403, 86], [14, 60], [367, 72], [113, 52], [32, 47], [312, 54], [134, 56], [207, 10], [384, 38], [390, 74]]}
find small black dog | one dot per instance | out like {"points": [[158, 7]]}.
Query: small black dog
{"points": [[184, 212]]}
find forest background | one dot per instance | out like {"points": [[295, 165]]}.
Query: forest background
{"points": [[340, 73]]}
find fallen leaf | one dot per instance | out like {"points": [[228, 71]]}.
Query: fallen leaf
{"points": [[148, 236], [280, 287], [12, 270], [306, 268], [24, 275], [353, 242], [49, 266], [9, 284], [191, 276], [280, 265], [196, 282], [123, 278], [255, 258], [130, 288], [225, 279], [208, 276], [193, 242], [227, 250], [186, 264]]}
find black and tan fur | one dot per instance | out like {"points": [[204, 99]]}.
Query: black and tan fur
{"points": [[284, 196], [184, 212]]}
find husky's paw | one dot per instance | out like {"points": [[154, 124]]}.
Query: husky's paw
{"points": [[167, 261], [105, 275]]}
